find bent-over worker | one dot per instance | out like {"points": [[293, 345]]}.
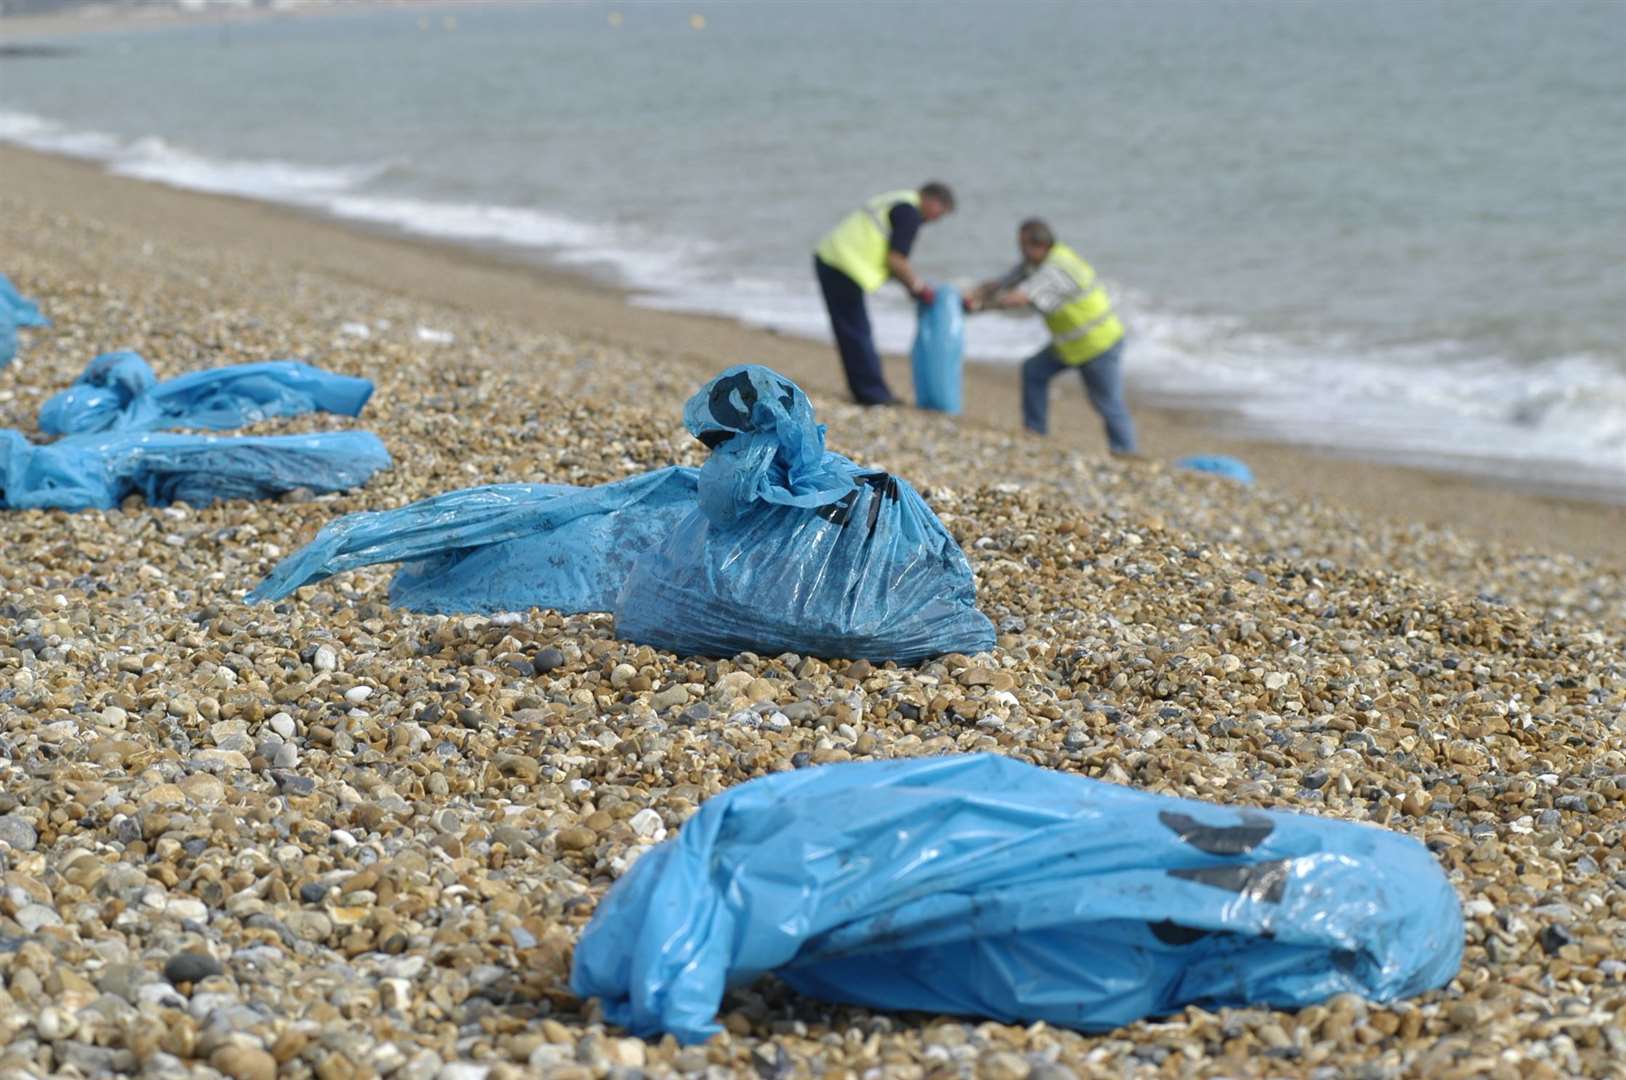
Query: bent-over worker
{"points": [[869, 246]]}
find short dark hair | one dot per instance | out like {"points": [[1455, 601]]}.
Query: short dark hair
{"points": [[1036, 231], [936, 189]]}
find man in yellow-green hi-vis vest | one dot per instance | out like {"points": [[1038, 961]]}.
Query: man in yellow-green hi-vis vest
{"points": [[1084, 332], [871, 245]]}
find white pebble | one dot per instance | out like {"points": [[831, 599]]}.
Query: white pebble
{"points": [[648, 825]]}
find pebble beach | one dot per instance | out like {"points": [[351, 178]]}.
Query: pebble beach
{"points": [[325, 838]]}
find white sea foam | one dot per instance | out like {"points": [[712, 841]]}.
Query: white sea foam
{"points": [[277, 181]]}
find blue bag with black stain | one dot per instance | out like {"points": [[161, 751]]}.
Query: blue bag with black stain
{"points": [[982, 886], [119, 392], [774, 545], [86, 472], [938, 356]]}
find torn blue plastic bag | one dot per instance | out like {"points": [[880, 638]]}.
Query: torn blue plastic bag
{"points": [[774, 545], [23, 311], [982, 886], [99, 471], [1218, 465], [503, 547], [15, 310], [938, 355], [119, 392]]}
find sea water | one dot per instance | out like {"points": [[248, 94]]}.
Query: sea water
{"points": [[1389, 227]]}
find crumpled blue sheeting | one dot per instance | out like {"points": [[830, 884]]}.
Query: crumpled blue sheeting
{"points": [[98, 471], [982, 886], [503, 547], [119, 392], [15, 310], [938, 355], [23, 311], [774, 545], [1217, 465]]}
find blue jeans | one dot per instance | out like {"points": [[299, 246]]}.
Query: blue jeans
{"points": [[1103, 382]]}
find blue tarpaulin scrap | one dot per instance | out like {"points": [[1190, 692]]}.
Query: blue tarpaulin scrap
{"points": [[774, 545], [119, 392], [15, 310], [938, 355], [98, 471], [1218, 465], [502, 547], [23, 311], [982, 886]]}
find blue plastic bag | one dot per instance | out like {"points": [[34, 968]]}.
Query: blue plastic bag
{"points": [[15, 311], [23, 311], [504, 547], [99, 396], [939, 352], [119, 392], [796, 549], [982, 886], [1218, 465], [98, 471], [774, 545]]}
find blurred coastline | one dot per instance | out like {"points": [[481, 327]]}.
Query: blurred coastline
{"points": [[496, 283]]}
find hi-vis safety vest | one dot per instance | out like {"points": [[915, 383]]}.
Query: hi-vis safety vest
{"points": [[858, 246], [1084, 326]]}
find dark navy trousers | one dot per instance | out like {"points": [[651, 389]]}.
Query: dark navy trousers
{"points": [[849, 319]]}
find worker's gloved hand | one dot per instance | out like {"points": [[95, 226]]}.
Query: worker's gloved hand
{"points": [[927, 295], [967, 304]]}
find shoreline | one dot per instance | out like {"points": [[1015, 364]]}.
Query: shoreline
{"points": [[103, 20], [492, 281]]}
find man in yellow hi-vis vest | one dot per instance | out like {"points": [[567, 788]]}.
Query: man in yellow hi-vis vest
{"points": [[1084, 332], [871, 245]]}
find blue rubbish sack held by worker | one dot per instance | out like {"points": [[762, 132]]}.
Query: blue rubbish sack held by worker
{"points": [[939, 351], [981, 886], [119, 392], [796, 549], [774, 545]]}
